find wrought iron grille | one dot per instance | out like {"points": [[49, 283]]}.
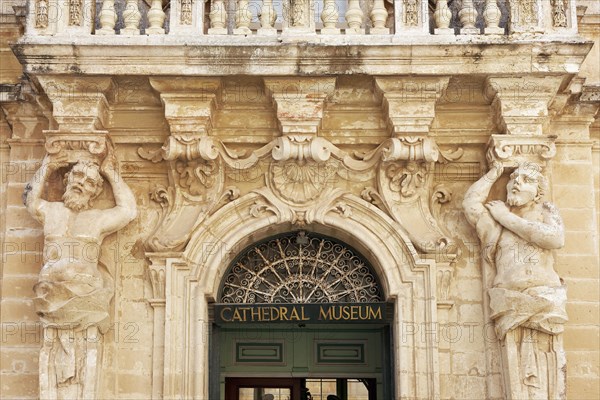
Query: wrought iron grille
{"points": [[300, 268]]}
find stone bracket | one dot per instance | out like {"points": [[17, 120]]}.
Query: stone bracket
{"points": [[521, 104], [189, 103], [409, 102], [511, 150], [299, 102], [78, 104]]}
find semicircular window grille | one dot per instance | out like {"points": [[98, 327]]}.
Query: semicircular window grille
{"points": [[300, 268]]}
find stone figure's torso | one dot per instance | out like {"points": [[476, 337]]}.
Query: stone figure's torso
{"points": [[521, 264]]}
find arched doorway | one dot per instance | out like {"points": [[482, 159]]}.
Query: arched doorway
{"points": [[298, 316]]}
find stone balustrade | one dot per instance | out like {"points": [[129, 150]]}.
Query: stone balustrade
{"points": [[276, 18]]}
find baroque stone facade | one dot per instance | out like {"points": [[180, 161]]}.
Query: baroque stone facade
{"points": [[145, 150]]}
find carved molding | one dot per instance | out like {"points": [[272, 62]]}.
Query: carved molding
{"points": [[511, 150]]}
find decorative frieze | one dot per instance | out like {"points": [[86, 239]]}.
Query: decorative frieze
{"points": [[186, 12]]}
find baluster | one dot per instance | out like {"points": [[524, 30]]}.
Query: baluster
{"points": [[108, 18], [468, 16], [267, 19], [156, 18], [218, 18], [330, 16], [131, 17], [442, 17], [354, 18], [379, 16], [243, 17], [491, 16]]}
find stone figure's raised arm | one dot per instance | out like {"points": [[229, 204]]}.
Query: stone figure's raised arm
{"points": [[473, 202], [547, 234], [34, 189], [126, 209]]}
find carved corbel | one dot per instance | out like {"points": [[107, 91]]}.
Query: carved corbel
{"points": [[80, 104], [405, 173], [512, 150], [521, 104], [405, 182], [196, 177], [299, 102], [409, 102]]}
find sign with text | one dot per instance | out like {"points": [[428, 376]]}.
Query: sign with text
{"points": [[302, 313]]}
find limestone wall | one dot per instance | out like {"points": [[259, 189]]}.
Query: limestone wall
{"points": [[355, 120]]}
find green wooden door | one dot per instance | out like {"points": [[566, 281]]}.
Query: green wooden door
{"points": [[312, 351]]}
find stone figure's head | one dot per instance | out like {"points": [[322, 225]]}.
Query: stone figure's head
{"points": [[83, 184], [526, 185]]}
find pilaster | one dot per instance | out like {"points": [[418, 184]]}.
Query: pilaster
{"points": [[157, 278]]}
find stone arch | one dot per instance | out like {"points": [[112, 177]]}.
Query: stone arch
{"points": [[195, 278]]}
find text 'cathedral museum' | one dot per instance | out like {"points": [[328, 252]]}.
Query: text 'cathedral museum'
{"points": [[299, 199]]}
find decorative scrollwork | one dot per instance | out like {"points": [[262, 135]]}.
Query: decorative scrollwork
{"points": [[196, 176], [300, 268], [407, 179]]}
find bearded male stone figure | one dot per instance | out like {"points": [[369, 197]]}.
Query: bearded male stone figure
{"points": [[73, 291], [527, 298]]}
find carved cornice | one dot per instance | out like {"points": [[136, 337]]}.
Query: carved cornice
{"points": [[511, 150], [395, 55]]}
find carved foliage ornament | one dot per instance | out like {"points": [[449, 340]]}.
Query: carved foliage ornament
{"points": [[559, 13], [300, 268], [186, 12], [75, 12], [528, 12], [411, 12], [41, 14]]}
